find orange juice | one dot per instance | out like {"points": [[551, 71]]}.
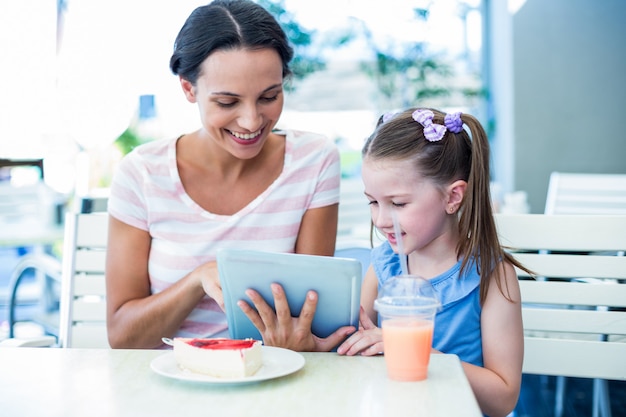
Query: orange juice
{"points": [[407, 343]]}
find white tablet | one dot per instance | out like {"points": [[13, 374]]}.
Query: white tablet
{"points": [[337, 282]]}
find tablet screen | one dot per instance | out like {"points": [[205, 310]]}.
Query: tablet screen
{"points": [[337, 282]]}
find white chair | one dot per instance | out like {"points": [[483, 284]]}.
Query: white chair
{"points": [[82, 322], [358, 249], [565, 333], [585, 193], [49, 269], [580, 193], [83, 290], [354, 212]]}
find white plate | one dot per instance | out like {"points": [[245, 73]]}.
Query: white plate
{"points": [[277, 362]]}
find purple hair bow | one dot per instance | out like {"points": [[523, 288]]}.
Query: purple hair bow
{"points": [[388, 116], [453, 122], [432, 132]]}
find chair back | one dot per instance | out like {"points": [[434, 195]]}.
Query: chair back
{"points": [[565, 332], [579, 193], [359, 249], [354, 211], [83, 303]]}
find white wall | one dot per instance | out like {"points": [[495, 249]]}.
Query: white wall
{"points": [[569, 66], [27, 42]]}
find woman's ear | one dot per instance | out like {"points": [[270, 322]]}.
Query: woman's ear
{"points": [[455, 195], [188, 89]]}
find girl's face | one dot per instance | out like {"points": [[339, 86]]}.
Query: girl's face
{"points": [[420, 206], [240, 98]]}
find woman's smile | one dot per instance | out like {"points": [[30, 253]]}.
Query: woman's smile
{"points": [[246, 138]]}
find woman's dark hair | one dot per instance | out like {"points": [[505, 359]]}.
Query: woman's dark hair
{"points": [[223, 25]]}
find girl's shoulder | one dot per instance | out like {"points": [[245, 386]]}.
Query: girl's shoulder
{"points": [[386, 262]]}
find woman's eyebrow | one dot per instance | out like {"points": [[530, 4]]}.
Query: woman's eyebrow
{"points": [[271, 87], [228, 93]]}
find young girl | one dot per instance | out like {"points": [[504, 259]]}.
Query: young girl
{"points": [[425, 165]]}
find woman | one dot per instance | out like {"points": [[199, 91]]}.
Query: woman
{"points": [[234, 182]]}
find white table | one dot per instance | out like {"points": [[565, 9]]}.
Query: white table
{"points": [[105, 382]]}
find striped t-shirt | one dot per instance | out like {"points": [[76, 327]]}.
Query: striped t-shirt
{"points": [[147, 193]]}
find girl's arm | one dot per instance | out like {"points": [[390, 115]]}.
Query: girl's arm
{"points": [[135, 318], [369, 292], [497, 384], [368, 340]]}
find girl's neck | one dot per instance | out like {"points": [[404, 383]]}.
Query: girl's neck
{"points": [[436, 258]]}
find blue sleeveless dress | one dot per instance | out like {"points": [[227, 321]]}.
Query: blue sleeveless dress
{"points": [[457, 323]]}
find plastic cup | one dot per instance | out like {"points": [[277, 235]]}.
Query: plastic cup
{"points": [[407, 306]]}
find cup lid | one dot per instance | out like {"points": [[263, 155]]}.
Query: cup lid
{"points": [[407, 294]]}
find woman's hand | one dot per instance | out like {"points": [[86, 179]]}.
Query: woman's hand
{"points": [[209, 278], [279, 328], [367, 341]]}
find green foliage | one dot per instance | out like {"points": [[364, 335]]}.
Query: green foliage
{"points": [[127, 141], [304, 61], [404, 74], [408, 73]]}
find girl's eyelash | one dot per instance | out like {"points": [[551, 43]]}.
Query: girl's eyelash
{"points": [[372, 202]]}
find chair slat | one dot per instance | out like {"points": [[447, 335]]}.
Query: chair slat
{"points": [[574, 266], [354, 211], [89, 284], [90, 336], [90, 260], [574, 321], [91, 230], [577, 183], [586, 193], [551, 356], [573, 293], [88, 311], [563, 232]]}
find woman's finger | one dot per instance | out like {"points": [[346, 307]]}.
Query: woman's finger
{"points": [[308, 311], [265, 312], [252, 314], [340, 335], [281, 306]]}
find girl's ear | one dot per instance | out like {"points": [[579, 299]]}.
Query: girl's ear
{"points": [[188, 89], [455, 195]]}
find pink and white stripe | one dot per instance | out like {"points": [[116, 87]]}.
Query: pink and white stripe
{"points": [[147, 193]]}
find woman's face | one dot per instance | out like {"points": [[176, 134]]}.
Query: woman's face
{"points": [[420, 206], [240, 98]]}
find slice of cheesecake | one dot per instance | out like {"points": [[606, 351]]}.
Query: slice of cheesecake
{"points": [[221, 358]]}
